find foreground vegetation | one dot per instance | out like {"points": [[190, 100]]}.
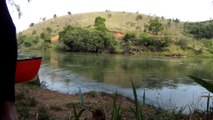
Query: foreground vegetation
{"points": [[33, 102], [120, 32]]}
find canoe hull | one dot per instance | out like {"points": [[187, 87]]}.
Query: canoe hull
{"points": [[27, 69]]}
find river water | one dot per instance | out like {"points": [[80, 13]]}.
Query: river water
{"points": [[164, 80]]}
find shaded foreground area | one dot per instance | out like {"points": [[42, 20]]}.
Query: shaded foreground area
{"points": [[35, 103]]}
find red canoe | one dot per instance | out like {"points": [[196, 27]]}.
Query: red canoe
{"points": [[27, 69]]}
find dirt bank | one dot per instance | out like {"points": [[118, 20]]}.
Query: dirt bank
{"points": [[35, 103]]}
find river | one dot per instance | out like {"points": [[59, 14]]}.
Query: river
{"points": [[165, 80]]}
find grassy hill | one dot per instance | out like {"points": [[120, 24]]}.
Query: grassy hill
{"points": [[115, 21], [182, 40]]}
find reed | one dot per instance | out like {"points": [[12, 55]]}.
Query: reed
{"points": [[81, 98], [117, 110], [77, 115], [136, 110]]}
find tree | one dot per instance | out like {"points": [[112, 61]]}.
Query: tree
{"points": [[17, 7], [69, 13], [44, 18], [200, 30], [154, 26], [130, 36], [139, 17], [49, 29], [85, 40], [54, 16], [46, 36], [32, 24], [100, 24], [176, 20]]}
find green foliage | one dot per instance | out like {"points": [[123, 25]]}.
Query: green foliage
{"points": [[31, 24], [169, 22], [77, 115], [154, 26], [23, 113], [144, 97], [158, 39], [201, 29], [32, 101], [182, 43], [73, 37], [43, 113], [100, 24], [130, 36], [81, 98], [196, 46], [136, 110], [190, 44], [46, 37], [20, 38], [154, 43], [49, 30], [176, 20], [54, 16], [34, 32], [69, 13], [80, 39], [139, 17], [208, 43], [34, 41], [144, 36], [27, 41], [116, 109]]}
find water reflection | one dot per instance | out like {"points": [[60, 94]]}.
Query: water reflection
{"points": [[164, 79]]}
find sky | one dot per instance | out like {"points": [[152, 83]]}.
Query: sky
{"points": [[184, 10]]}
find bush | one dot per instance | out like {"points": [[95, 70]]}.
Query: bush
{"points": [[84, 40], [150, 42], [200, 30], [28, 41], [130, 36], [139, 17], [182, 43], [154, 26], [43, 113]]}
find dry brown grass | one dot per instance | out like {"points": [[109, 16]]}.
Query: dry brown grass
{"points": [[115, 21]]}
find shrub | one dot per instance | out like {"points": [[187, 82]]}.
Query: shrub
{"points": [[43, 113], [80, 39], [154, 26], [130, 36], [139, 17]]}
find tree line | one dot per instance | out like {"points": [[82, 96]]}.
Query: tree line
{"points": [[155, 37]]}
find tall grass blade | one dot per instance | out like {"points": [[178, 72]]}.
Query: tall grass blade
{"points": [[81, 98], [116, 109], [77, 115], [203, 83], [137, 111], [207, 105], [144, 97]]}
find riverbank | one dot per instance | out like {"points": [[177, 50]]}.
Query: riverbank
{"points": [[33, 102]]}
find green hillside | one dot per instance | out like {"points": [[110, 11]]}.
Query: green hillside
{"points": [[116, 21], [179, 34]]}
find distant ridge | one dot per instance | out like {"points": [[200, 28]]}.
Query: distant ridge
{"points": [[115, 21]]}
